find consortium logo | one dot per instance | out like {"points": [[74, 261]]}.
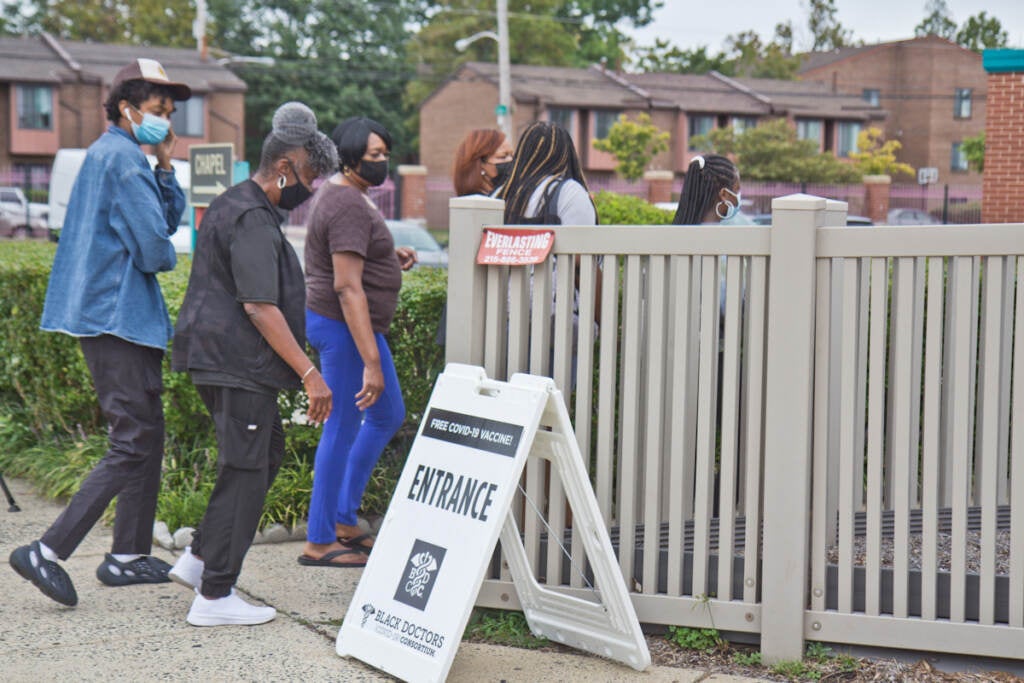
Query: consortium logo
{"points": [[420, 575], [368, 611]]}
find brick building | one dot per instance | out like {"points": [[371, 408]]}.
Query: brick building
{"points": [[933, 90], [588, 101], [1003, 187], [52, 93]]}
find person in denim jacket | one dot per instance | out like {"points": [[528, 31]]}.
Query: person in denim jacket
{"points": [[103, 290]]}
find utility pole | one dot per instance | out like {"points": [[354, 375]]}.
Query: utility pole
{"points": [[504, 109]]}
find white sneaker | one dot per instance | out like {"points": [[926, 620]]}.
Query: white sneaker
{"points": [[227, 611], [188, 570]]}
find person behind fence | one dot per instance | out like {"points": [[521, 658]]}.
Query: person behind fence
{"points": [[711, 191], [546, 184], [353, 274], [240, 336], [103, 290], [483, 161]]}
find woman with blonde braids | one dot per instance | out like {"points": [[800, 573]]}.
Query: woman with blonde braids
{"points": [[546, 185]]}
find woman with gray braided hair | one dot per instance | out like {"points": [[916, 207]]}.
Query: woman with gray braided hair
{"points": [[711, 191], [241, 337]]}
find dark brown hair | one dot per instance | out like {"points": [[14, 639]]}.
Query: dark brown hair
{"points": [[474, 148]]}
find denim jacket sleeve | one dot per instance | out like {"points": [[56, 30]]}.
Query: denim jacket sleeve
{"points": [[141, 217], [173, 196]]}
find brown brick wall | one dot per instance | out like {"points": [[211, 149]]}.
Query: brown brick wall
{"points": [[5, 126], [1003, 187], [917, 80], [226, 115]]}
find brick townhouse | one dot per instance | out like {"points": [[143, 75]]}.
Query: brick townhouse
{"points": [[933, 90], [52, 93], [588, 101]]}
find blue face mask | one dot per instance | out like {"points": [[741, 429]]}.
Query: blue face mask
{"points": [[152, 130], [731, 209]]}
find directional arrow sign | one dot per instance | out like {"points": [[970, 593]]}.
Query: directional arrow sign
{"points": [[211, 167]]}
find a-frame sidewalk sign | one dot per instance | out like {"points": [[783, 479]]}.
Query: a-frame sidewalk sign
{"points": [[452, 501]]}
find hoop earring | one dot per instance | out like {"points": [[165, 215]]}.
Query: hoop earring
{"points": [[281, 182], [718, 213]]}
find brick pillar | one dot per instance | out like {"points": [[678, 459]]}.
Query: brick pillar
{"points": [[659, 186], [1003, 178], [876, 197], [414, 191]]}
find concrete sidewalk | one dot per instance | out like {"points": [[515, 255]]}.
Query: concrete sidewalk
{"points": [[138, 633]]}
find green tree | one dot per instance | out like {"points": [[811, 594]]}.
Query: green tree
{"points": [[634, 144], [165, 23], [877, 156], [937, 21], [826, 31], [980, 32], [750, 56], [771, 151], [664, 57], [974, 149]]}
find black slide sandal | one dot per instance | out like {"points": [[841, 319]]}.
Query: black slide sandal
{"points": [[326, 560], [356, 543]]}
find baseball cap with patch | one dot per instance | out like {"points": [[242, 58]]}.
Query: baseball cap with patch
{"points": [[151, 71]]}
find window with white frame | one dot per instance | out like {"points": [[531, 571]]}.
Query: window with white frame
{"points": [[604, 119], [846, 138], [742, 123], [962, 103], [563, 117], [189, 117], [957, 158], [871, 96], [700, 124], [35, 107], [809, 129]]}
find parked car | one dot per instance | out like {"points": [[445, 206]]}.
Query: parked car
{"points": [[911, 217], [26, 218], [409, 234], [62, 178], [858, 221]]}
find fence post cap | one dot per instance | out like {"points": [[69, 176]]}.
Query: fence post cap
{"points": [[877, 180], [412, 169], [659, 175], [799, 202], [476, 202]]}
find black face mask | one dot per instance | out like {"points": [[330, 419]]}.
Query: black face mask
{"points": [[373, 172], [293, 195], [504, 168]]}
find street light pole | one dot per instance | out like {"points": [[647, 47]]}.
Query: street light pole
{"points": [[504, 109]]}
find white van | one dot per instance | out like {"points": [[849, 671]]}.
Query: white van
{"points": [[62, 178]]}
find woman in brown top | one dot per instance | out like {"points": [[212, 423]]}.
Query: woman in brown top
{"points": [[482, 162], [353, 274]]}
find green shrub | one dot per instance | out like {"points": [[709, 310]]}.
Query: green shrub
{"points": [[693, 638], [51, 430], [622, 209]]}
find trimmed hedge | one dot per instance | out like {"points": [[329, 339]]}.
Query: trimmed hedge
{"points": [[47, 404], [623, 209]]}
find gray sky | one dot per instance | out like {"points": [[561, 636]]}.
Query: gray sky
{"points": [[691, 23]]}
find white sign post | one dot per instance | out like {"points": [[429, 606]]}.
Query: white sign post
{"points": [[452, 501]]}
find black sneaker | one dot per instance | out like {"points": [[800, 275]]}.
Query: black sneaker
{"points": [[145, 569], [47, 576]]}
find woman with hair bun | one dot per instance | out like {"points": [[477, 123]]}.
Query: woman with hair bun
{"points": [[241, 337]]}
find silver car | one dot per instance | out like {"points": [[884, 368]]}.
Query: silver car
{"points": [[428, 251]]}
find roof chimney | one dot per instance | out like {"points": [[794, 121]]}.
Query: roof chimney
{"points": [[199, 29]]}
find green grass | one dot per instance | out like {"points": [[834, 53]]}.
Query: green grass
{"points": [[501, 627]]}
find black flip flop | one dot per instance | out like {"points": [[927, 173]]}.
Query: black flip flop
{"points": [[325, 561], [356, 543]]}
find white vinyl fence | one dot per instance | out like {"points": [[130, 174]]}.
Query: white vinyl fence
{"points": [[793, 430]]}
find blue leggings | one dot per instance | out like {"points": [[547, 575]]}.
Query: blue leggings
{"points": [[352, 441]]}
